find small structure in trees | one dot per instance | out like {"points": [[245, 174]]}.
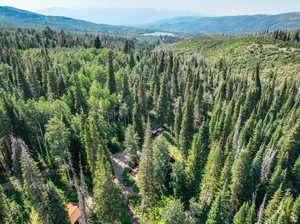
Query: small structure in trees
{"points": [[157, 131], [73, 212]]}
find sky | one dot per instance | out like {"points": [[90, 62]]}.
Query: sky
{"points": [[210, 7]]}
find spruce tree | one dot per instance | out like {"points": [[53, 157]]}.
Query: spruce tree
{"points": [[138, 123], [43, 197], [56, 205], [217, 212], [163, 102], [245, 215], [273, 203], [258, 88], [107, 197], [211, 176], [174, 81], [97, 43], [196, 160], [241, 179], [51, 84], [178, 183], [178, 120], [23, 83], [146, 171], [132, 144], [161, 165], [142, 99], [187, 129], [173, 213], [198, 107], [295, 216], [131, 60], [111, 82]]}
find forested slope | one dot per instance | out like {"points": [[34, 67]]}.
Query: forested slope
{"points": [[229, 152], [16, 18], [278, 51], [239, 24]]}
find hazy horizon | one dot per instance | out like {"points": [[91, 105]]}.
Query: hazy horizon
{"points": [[212, 7]]}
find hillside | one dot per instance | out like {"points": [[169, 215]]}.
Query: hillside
{"points": [[116, 16], [245, 52], [228, 24], [16, 18]]}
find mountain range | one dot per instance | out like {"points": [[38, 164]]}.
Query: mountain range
{"points": [[191, 25], [228, 24], [117, 16], [16, 18]]}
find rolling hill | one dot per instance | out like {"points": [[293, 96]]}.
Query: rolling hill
{"points": [[116, 16], [228, 24], [15, 18], [243, 52]]}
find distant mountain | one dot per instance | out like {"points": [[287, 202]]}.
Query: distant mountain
{"points": [[227, 24], [117, 16], [17, 18]]}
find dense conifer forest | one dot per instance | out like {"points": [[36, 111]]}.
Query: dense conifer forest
{"points": [[129, 131]]}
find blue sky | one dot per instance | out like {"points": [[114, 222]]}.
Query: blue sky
{"points": [[211, 7]]}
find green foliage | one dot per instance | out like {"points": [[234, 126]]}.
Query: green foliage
{"points": [[217, 212], [58, 138], [163, 102], [161, 165], [246, 215], [234, 137], [107, 196], [98, 44], [146, 171], [111, 82], [196, 161], [187, 127], [131, 144], [174, 212]]}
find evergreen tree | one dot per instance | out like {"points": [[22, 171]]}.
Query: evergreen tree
{"points": [[241, 178], [58, 138], [196, 160], [23, 83], [44, 198], [131, 60], [142, 100], [198, 108], [161, 165], [51, 85], [295, 217], [56, 205], [273, 203], [146, 171], [258, 88], [163, 102], [173, 213], [245, 215], [210, 178], [97, 43], [178, 180], [187, 130], [138, 123], [132, 144], [178, 120], [111, 82], [10, 211], [107, 196], [217, 212]]}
